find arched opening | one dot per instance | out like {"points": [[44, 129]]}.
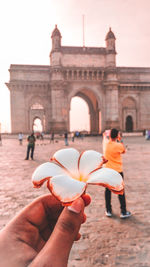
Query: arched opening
{"points": [[37, 125], [92, 117], [129, 114], [79, 115], [129, 124], [37, 117]]}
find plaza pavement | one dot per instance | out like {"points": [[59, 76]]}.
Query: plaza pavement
{"points": [[105, 241]]}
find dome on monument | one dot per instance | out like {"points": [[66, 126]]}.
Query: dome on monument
{"points": [[56, 32], [110, 35]]}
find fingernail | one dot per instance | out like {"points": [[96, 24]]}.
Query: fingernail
{"points": [[75, 206]]}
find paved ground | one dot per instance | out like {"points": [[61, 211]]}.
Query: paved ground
{"points": [[105, 241]]}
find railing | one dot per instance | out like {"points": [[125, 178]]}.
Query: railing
{"points": [[83, 74]]}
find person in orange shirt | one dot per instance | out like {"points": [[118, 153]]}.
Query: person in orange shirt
{"points": [[113, 150]]}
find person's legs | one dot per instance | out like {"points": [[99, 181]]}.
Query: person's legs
{"points": [[32, 152], [122, 199], [28, 151], [108, 200], [124, 212], [66, 141]]}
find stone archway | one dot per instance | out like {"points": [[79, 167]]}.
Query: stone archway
{"points": [[37, 112], [129, 124], [94, 112], [79, 115], [37, 125], [129, 114]]}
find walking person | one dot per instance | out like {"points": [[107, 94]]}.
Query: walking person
{"points": [[31, 145], [20, 138], [52, 138], [66, 138], [113, 150], [72, 136]]}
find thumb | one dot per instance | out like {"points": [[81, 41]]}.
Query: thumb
{"points": [[57, 249]]}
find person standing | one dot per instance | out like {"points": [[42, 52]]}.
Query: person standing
{"points": [[52, 138], [20, 137], [72, 136], [66, 139], [113, 150], [31, 145]]}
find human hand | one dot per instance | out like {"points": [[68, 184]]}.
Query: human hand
{"points": [[119, 136], [42, 234]]}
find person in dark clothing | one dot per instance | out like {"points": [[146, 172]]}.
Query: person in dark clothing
{"points": [[31, 145], [52, 138], [66, 138]]}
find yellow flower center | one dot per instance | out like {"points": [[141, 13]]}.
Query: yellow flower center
{"points": [[82, 178]]}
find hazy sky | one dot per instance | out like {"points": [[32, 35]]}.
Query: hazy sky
{"points": [[26, 27]]}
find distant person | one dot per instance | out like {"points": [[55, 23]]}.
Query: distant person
{"points": [[52, 138], [72, 136], [31, 145], [77, 134], [42, 136], [66, 138], [82, 136], [147, 134], [20, 138], [113, 150]]}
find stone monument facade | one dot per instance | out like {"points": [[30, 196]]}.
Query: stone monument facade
{"points": [[116, 96]]}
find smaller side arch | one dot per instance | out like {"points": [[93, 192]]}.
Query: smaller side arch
{"points": [[36, 110], [129, 114], [129, 124], [37, 125]]}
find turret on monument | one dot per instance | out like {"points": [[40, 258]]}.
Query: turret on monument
{"points": [[110, 49]]}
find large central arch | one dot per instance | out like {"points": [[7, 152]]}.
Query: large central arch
{"points": [[94, 108], [79, 115]]}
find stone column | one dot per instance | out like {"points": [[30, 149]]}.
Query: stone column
{"points": [[94, 121], [112, 110], [18, 108], [58, 123]]}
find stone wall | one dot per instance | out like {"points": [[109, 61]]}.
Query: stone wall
{"points": [[83, 60], [29, 73], [112, 93]]}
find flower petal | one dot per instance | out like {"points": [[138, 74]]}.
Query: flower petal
{"points": [[65, 188], [89, 161], [108, 178], [68, 159], [44, 172]]}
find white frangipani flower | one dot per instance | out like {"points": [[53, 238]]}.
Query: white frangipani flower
{"points": [[69, 172]]}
